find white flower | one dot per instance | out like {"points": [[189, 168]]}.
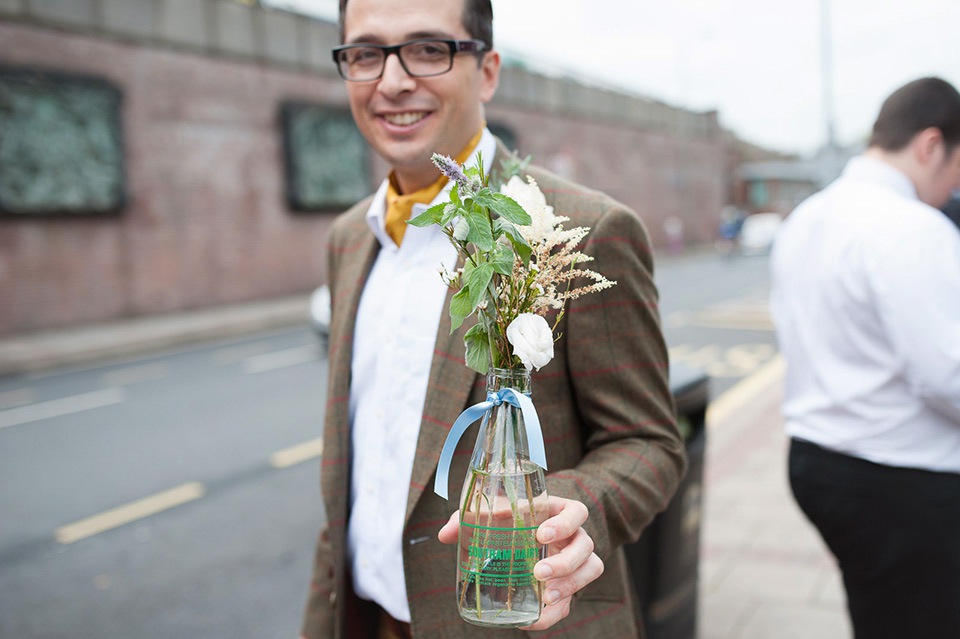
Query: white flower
{"points": [[532, 340], [531, 199]]}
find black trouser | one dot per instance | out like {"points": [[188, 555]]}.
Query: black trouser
{"points": [[896, 535]]}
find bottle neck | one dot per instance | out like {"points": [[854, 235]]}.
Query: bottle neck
{"points": [[502, 440], [517, 379]]}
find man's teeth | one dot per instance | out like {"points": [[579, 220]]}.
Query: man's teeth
{"points": [[404, 119]]}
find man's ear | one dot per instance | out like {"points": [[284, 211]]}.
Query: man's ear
{"points": [[928, 146], [489, 75]]}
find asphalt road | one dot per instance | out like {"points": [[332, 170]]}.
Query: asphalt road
{"points": [[177, 495]]}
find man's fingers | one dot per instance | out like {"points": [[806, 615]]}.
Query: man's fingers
{"points": [[558, 593], [566, 517], [556, 590], [448, 534], [570, 556], [551, 615]]}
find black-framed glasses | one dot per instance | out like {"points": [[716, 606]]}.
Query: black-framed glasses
{"points": [[420, 58]]}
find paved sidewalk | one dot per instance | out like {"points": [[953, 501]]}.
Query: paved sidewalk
{"points": [[765, 572], [87, 344]]}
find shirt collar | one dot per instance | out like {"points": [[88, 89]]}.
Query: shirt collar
{"points": [[376, 214], [867, 169]]}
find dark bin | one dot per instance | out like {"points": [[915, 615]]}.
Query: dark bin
{"points": [[665, 560]]}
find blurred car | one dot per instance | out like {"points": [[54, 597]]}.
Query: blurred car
{"points": [[320, 313], [757, 233]]}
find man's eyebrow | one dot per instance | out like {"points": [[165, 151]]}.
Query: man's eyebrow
{"points": [[370, 38]]}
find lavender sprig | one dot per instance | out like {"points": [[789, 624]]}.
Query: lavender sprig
{"points": [[469, 185]]}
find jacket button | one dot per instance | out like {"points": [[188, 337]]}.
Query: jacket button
{"points": [[333, 599]]}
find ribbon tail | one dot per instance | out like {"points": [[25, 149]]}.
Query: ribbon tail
{"points": [[463, 422], [531, 423]]}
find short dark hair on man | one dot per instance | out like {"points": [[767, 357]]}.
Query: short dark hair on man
{"points": [[477, 20], [915, 107]]}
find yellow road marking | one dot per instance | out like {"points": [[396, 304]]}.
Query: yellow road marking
{"points": [[746, 390], [129, 512], [296, 454]]}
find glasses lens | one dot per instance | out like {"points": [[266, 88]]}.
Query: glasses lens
{"points": [[361, 63], [426, 57]]}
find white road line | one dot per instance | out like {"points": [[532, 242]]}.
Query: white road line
{"points": [[135, 374], [296, 454], [735, 319], [280, 359], [60, 407], [746, 390], [129, 512], [732, 323], [234, 354]]}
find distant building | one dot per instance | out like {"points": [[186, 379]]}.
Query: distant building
{"points": [[780, 185]]}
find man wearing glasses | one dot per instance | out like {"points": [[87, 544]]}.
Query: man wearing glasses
{"points": [[418, 73]]}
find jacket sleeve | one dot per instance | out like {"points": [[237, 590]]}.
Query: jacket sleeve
{"points": [[318, 615], [318, 622], [633, 455]]}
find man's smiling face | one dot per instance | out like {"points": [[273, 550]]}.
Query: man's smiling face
{"points": [[407, 119]]}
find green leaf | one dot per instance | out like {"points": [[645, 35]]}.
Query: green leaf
{"points": [[478, 349], [478, 282], [450, 211], [501, 226], [433, 215], [502, 261], [520, 245], [455, 195], [480, 234], [522, 249], [508, 209], [460, 307], [485, 197]]}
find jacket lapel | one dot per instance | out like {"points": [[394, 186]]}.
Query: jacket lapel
{"points": [[358, 252], [448, 390]]}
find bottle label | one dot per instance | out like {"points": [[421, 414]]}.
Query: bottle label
{"points": [[500, 556]]}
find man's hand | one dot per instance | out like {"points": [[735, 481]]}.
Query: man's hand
{"points": [[570, 564]]}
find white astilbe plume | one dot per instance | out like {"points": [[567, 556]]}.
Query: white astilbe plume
{"points": [[529, 197], [553, 266]]}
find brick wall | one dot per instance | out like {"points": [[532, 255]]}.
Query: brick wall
{"points": [[206, 222]]}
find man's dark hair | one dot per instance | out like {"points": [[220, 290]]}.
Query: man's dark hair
{"points": [[915, 107], [477, 19]]}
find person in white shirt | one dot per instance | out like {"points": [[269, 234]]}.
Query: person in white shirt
{"points": [[866, 302]]}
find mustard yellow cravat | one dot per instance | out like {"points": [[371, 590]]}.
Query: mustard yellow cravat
{"points": [[399, 205]]}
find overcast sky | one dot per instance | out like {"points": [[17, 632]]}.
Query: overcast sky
{"points": [[758, 62]]}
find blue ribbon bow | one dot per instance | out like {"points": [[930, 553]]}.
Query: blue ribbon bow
{"points": [[530, 420]]}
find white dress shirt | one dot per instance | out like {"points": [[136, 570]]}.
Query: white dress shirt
{"points": [[866, 300], [393, 345]]}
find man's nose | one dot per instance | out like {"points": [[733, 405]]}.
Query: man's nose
{"points": [[395, 79]]}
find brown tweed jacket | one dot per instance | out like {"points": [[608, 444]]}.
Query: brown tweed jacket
{"points": [[604, 405]]}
